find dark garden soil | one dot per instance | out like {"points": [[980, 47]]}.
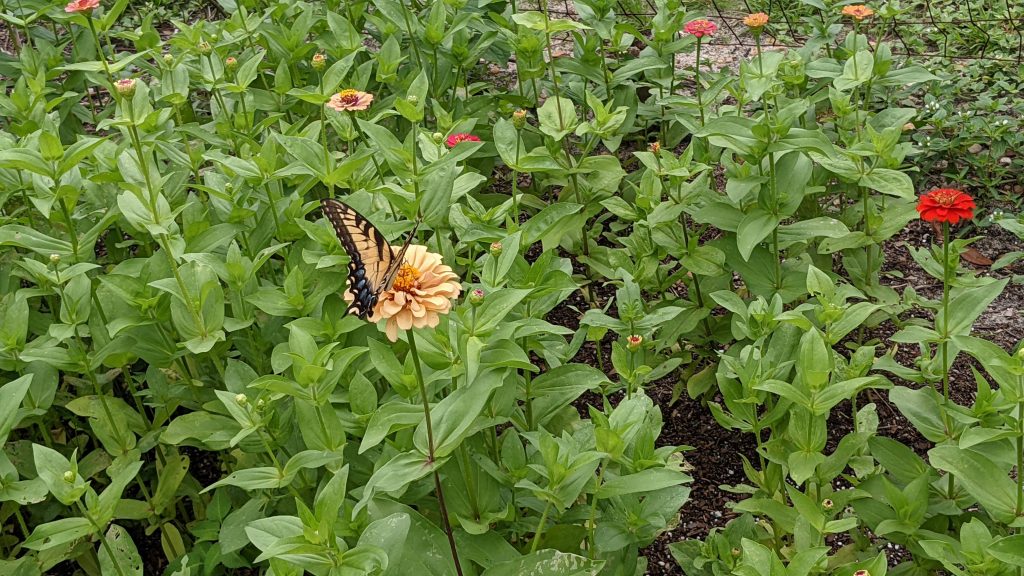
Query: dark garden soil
{"points": [[716, 452]]}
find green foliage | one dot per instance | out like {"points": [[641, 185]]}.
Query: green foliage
{"points": [[177, 363]]}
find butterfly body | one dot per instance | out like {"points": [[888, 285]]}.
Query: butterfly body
{"points": [[373, 263]]}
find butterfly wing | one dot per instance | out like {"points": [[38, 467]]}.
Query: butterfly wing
{"points": [[373, 264]]}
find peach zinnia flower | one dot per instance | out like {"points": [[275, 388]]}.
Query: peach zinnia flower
{"points": [[76, 6], [756, 20], [700, 28], [857, 11], [349, 100], [421, 293]]}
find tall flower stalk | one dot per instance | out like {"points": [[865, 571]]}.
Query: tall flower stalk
{"points": [[946, 206], [699, 29], [438, 491]]}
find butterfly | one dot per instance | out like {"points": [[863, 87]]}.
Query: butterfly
{"points": [[373, 263]]}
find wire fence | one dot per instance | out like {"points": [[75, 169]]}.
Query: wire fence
{"points": [[980, 21]]}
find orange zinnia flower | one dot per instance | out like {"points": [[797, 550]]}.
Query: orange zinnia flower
{"points": [[857, 11], [350, 100], [76, 6], [421, 293], [946, 205], [756, 20]]}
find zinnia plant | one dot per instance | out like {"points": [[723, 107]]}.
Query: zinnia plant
{"points": [[421, 292], [946, 206], [700, 29]]}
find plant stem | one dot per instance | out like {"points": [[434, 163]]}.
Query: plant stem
{"points": [[700, 102], [867, 232], [945, 310], [323, 141], [592, 526], [430, 450], [99, 50], [103, 538], [540, 528]]}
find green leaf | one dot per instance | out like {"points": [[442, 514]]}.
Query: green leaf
{"points": [[753, 229], [891, 182], [982, 478], [547, 563], [11, 395], [58, 532], [645, 481], [1009, 549], [856, 71], [967, 306], [557, 117], [119, 556]]}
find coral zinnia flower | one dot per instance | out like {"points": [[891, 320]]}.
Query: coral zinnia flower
{"points": [[455, 139], [421, 292], [76, 6], [857, 11], [756, 20], [700, 28], [349, 100], [946, 205]]}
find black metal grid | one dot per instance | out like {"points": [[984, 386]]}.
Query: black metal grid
{"points": [[889, 27]]}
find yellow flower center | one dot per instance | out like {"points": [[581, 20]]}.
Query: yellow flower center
{"points": [[945, 198], [406, 279]]}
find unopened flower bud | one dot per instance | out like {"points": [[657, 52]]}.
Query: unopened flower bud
{"points": [[230, 63], [125, 87], [69, 476], [827, 504], [260, 404], [909, 126], [319, 61], [519, 119], [654, 146], [241, 399], [735, 552], [862, 573], [168, 59], [476, 297], [204, 47], [54, 259], [437, 137], [496, 248], [633, 341], [412, 99]]}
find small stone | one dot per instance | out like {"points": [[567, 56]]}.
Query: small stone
{"points": [[1006, 160], [975, 148]]}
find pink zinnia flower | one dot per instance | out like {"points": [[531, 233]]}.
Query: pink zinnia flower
{"points": [[700, 28], [350, 100], [456, 139], [76, 6]]}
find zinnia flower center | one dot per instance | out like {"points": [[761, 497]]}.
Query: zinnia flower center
{"points": [[945, 198], [349, 96], [407, 279]]}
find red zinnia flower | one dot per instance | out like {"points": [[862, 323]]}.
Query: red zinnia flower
{"points": [[700, 28], [946, 205], [455, 139], [76, 6]]}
